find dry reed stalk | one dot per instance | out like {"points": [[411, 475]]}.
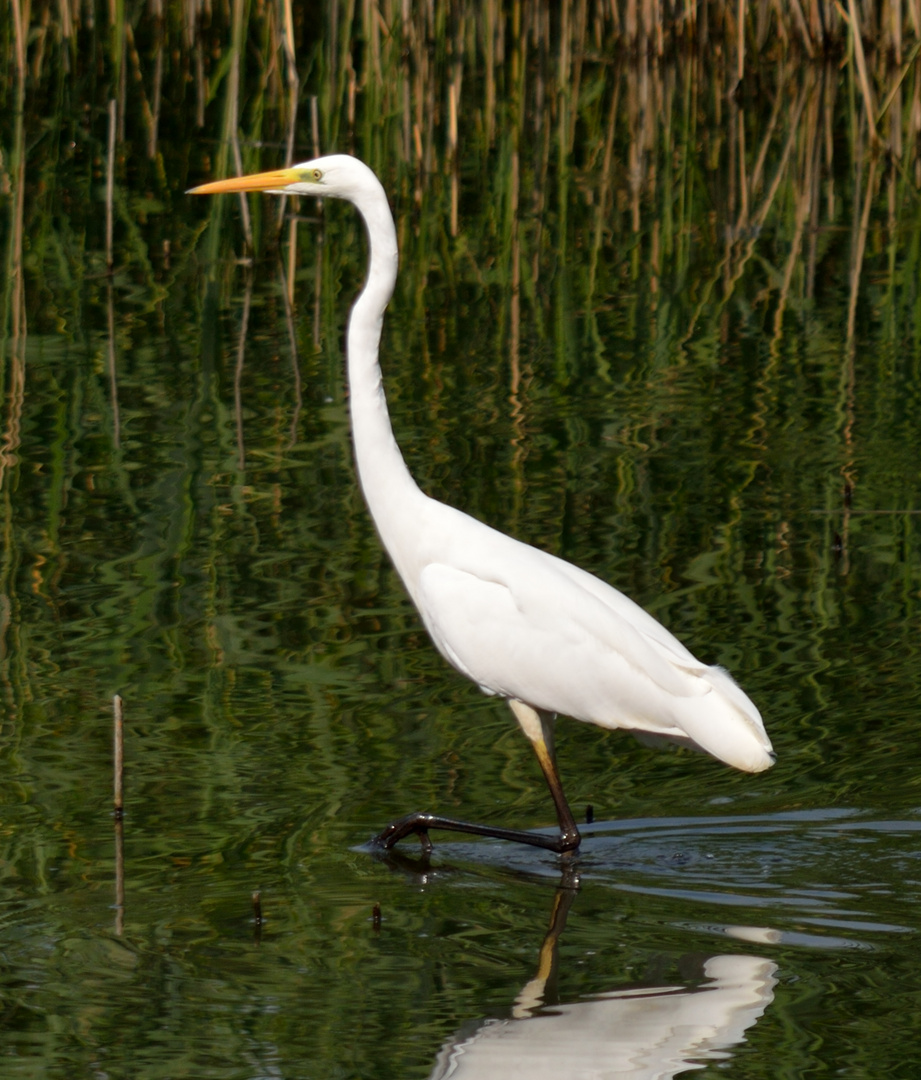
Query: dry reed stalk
{"points": [[489, 72], [189, 24], [452, 157], [430, 113], [110, 185], [111, 361], [895, 30], [762, 17], [861, 60], [499, 49], [829, 86], [636, 121], [286, 46], [801, 25], [120, 26], [67, 20], [650, 87], [201, 84], [815, 21], [314, 125], [157, 96], [540, 35], [914, 13], [16, 388], [892, 192], [654, 265], [17, 290], [515, 93], [743, 178], [39, 35], [816, 199], [451, 163], [21, 16], [232, 113], [543, 140], [118, 754], [893, 90], [373, 24], [405, 81], [270, 72], [418, 100], [517, 413], [515, 305], [780, 23], [577, 51], [290, 53]]}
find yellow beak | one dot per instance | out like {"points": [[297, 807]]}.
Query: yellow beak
{"points": [[264, 181]]}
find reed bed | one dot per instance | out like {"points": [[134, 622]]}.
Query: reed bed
{"points": [[434, 91], [434, 65], [715, 162]]}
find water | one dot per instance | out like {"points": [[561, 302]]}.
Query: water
{"points": [[824, 901], [182, 526]]}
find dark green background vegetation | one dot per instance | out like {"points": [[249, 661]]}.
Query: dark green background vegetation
{"points": [[658, 312]]}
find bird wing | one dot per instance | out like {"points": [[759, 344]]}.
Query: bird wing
{"points": [[545, 640], [537, 634]]}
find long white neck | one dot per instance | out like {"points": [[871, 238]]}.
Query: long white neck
{"points": [[385, 480]]}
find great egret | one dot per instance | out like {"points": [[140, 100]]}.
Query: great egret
{"points": [[523, 625]]}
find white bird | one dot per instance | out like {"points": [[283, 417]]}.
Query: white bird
{"points": [[523, 625]]}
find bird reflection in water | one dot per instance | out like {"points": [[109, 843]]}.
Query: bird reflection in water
{"points": [[641, 1032]]}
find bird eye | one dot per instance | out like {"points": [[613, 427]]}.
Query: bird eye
{"points": [[317, 174]]}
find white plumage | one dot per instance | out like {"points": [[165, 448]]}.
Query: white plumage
{"points": [[522, 624]]}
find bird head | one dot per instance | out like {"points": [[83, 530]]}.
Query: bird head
{"points": [[337, 176]]}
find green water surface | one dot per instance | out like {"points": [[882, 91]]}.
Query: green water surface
{"points": [[719, 414]]}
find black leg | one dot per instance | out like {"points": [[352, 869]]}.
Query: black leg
{"points": [[539, 729], [419, 824]]}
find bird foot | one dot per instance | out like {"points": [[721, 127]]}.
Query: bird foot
{"points": [[419, 824]]}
